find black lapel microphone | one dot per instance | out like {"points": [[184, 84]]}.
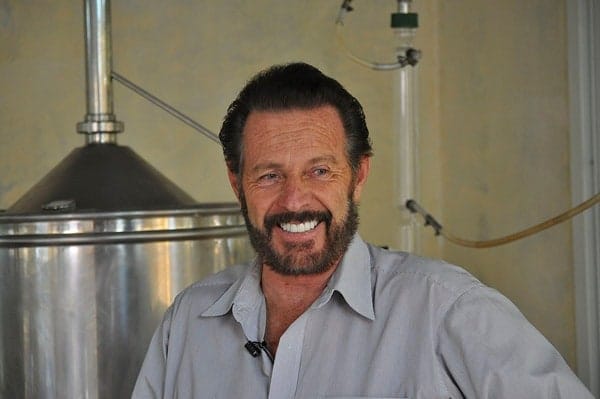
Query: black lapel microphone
{"points": [[255, 348]]}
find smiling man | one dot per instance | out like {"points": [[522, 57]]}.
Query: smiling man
{"points": [[320, 313], [297, 189], [298, 193]]}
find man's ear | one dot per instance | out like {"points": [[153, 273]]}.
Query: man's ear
{"points": [[234, 182], [361, 177]]}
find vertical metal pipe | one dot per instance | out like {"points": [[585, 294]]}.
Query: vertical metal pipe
{"points": [[403, 6], [98, 47], [100, 125]]}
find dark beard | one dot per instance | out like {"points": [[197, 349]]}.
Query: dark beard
{"points": [[303, 261]]}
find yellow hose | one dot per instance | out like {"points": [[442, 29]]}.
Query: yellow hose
{"points": [[414, 207]]}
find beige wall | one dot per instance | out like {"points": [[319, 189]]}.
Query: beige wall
{"points": [[505, 150], [493, 119]]}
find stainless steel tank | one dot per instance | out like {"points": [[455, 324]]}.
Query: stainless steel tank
{"points": [[80, 294], [90, 258], [92, 255]]}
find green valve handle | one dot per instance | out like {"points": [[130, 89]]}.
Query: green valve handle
{"points": [[405, 20]]}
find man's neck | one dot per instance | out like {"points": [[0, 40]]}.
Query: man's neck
{"points": [[287, 297]]}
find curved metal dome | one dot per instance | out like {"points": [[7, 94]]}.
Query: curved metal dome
{"points": [[102, 178]]}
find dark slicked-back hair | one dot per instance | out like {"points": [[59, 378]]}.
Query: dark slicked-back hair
{"points": [[293, 86]]}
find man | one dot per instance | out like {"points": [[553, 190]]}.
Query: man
{"points": [[320, 313]]}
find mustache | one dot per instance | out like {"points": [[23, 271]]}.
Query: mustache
{"points": [[297, 217]]}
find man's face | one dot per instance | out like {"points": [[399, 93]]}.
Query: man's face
{"points": [[297, 189]]}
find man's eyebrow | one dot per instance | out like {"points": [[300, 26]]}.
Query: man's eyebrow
{"points": [[277, 165], [266, 165]]}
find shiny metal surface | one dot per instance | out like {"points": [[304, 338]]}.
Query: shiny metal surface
{"points": [[100, 124], [81, 294]]}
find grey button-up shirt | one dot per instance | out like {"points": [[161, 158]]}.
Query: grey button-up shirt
{"points": [[388, 325]]}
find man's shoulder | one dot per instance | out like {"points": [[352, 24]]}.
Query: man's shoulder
{"points": [[403, 269]]}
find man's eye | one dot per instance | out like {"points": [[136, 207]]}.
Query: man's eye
{"points": [[320, 172], [268, 177]]}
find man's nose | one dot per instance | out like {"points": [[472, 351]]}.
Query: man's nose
{"points": [[295, 194]]}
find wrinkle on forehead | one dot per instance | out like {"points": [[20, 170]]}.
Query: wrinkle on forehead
{"points": [[274, 133]]}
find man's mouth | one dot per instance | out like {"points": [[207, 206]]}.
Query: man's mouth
{"points": [[299, 227], [296, 222]]}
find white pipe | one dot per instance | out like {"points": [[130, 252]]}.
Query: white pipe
{"points": [[406, 144]]}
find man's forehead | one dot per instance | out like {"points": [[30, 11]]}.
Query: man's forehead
{"points": [[307, 134], [324, 120], [294, 127], [325, 110]]}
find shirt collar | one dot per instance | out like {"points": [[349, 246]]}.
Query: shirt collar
{"points": [[246, 302], [245, 292], [352, 280]]}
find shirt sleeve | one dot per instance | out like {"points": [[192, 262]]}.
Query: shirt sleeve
{"points": [[151, 379], [491, 351]]}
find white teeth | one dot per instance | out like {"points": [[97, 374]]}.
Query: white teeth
{"points": [[299, 227]]}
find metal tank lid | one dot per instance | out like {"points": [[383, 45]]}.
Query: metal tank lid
{"points": [[105, 193], [102, 178]]}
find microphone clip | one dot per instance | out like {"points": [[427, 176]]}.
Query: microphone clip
{"points": [[253, 348]]}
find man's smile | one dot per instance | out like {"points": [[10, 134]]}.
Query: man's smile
{"points": [[301, 224], [299, 227]]}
